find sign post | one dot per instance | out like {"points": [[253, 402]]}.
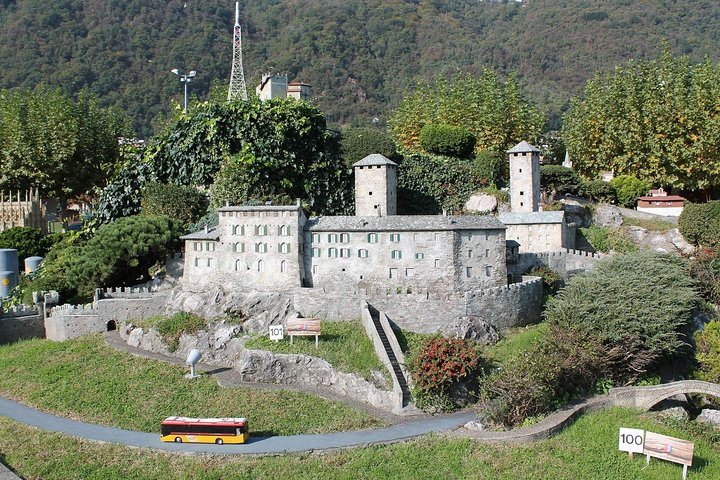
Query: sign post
{"points": [[276, 332], [631, 440]]}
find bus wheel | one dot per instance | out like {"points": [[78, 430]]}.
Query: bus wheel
{"points": [[219, 441], [178, 440]]}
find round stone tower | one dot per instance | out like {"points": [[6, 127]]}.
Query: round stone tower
{"points": [[375, 186], [524, 178]]}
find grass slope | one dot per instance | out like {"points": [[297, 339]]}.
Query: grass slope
{"points": [[587, 450], [344, 345], [85, 379]]}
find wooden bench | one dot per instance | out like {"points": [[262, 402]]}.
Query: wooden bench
{"points": [[304, 327]]}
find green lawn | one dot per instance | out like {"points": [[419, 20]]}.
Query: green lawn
{"points": [[86, 379], [344, 345], [586, 451], [659, 226], [513, 343]]}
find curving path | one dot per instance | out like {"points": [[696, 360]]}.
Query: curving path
{"points": [[256, 445]]}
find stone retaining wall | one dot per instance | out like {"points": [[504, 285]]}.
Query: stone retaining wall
{"points": [[20, 323]]}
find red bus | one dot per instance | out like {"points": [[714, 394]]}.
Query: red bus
{"points": [[205, 430]]}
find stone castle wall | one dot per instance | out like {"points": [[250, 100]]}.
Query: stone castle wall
{"points": [[514, 305], [20, 323], [71, 321], [565, 262]]}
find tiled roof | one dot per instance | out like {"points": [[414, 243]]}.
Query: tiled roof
{"points": [[404, 223], [523, 147], [374, 159], [212, 233], [530, 218]]}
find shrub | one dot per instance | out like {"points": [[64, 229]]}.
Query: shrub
{"points": [[551, 280], [699, 223], [637, 305], [705, 269], [122, 252], [491, 166], [448, 140], [628, 188], [28, 241], [53, 272], [565, 364], [438, 366], [559, 180], [708, 352], [171, 328], [181, 202], [598, 191], [358, 143]]}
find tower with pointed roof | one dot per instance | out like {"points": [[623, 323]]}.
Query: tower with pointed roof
{"points": [[524, 178], [375, 186]]}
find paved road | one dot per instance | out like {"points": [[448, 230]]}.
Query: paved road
{"points": [[256, 445]]}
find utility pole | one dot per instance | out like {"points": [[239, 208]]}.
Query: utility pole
{"points": [[237, 76]]}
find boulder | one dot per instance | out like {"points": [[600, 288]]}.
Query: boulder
{"points": [[481, 202], [474, 328], [474, 426], [709, 416], [676, 413], [607, 216]]}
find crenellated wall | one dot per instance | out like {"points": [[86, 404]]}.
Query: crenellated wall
{"points": [[565, 262], [514, 305], [19, 323], [69, 321]]}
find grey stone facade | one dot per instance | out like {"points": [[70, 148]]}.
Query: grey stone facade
{"points": [[375, 186], [524, 178]]}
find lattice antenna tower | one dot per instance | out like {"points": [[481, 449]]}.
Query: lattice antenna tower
{"points": [[237, 76]]}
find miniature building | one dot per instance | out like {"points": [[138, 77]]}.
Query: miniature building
{"points": [[539, 231], [299, 91], [375, 186], [661, 204], [524, 178]]}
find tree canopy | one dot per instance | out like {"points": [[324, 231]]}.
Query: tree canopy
{"points": [[657, 120], [495, 113], [63, 146]]}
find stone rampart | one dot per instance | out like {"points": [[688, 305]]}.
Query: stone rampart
{"points": [[514, 305], [71, 321], [21, 322], [565, 262], [131, 306]]}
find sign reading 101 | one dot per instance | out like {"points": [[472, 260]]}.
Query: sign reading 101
{"points": [[276, 332], [632, 440]]}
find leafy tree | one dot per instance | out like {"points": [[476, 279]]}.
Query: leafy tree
{"points": [[448, 140], [559, 180], [597, 190], [628, 189], [699, 223], [358, 143], [121, 253], [657, 120], [624, 303], [183, 203], [496, 113], [63, 146], [493, 167]]}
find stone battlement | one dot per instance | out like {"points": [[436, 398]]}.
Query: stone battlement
{"points": [[72, 310], [124, 292], [527, 283], [19, 311]]}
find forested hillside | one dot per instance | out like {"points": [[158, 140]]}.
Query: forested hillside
{"points": [[359, 55]]}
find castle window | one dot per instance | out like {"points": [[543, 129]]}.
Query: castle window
{"points": [[344, 238], [394, 237], [468, 272], [210, 246], [284, 230], [261, 230], [409, 272], [522, 193], [238, 230], [393, 273], [332, 252], [437, 236], [284, 248], [362, 253], [197, 246], [209, 262], [369, 193], [488, 270], [238, 247], [415, 237], [469, 253], [419, 256], [261, 247], [283, 266], [238, 264], [332, 238], [372, 238], [197, 262], [315, 238], [521, 204], [487, 253], [260, 266], [437, 263], [396, 254], [345, 252]]}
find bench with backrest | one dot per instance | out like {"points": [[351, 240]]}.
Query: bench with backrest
{"points": [[303, 327]]}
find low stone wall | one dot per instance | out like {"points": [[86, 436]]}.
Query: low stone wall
{"points": [[71, 321], [565, 262], [20, 323], [514, 305], [220, 347]]}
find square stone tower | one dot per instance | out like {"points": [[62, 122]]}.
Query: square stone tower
{"points": [[375, 186], [524, 178]]}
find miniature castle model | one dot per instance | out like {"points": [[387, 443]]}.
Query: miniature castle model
{"points": [[277, 86], [534, 230]]}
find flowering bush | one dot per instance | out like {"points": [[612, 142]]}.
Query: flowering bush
{"points": [[439, 365]]}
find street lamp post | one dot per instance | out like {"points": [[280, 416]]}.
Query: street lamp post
{"points": [[186, 79]]}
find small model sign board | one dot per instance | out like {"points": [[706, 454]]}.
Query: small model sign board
{"points": [[651, 444], [304, 327], [276, 332]]}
